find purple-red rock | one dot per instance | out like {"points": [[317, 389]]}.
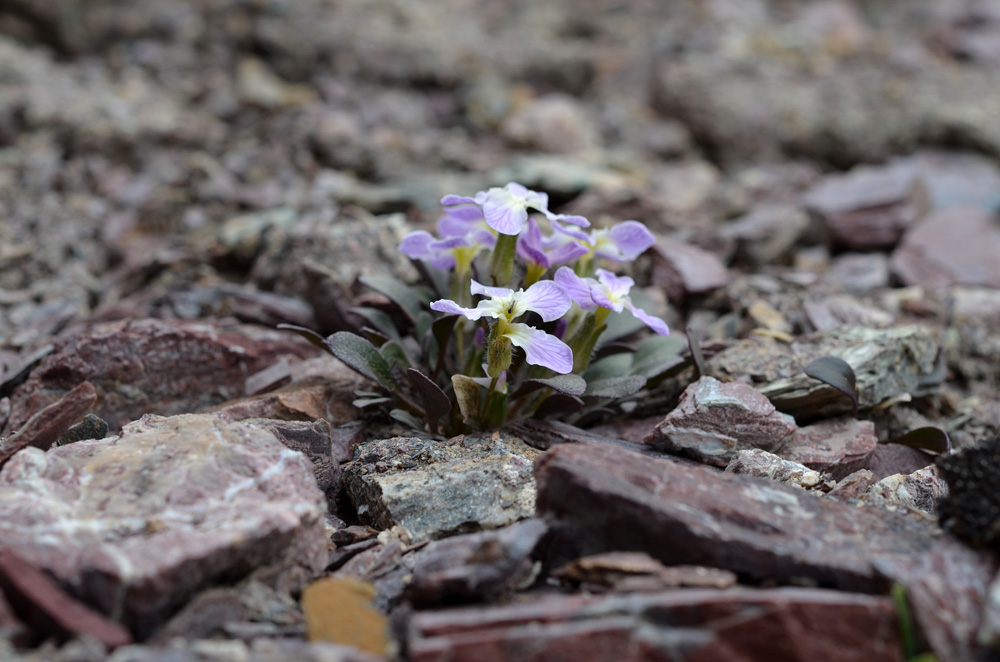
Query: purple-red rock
{"points": [[682, 625], [852, 486], [44, 428], [155, 366], [837, 446], [869, 208], [755, 462], [714, 420], [49, 610], [314, 440], [137, 524], [684, 269], [889, 459], [952, 246]]}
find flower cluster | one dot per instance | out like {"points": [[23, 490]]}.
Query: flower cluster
{"points": [[546, 294]]}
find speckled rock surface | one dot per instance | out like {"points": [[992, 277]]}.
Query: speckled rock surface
{"points": [[837, 446], [434, 488], [135, 525], [920, 490], [755, 462], [715, 420]]}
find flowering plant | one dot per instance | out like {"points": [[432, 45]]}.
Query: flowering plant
{"points": [[523, 313]]}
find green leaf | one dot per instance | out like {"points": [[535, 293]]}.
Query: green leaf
{"points": [[404, 296], [379, 320], [928, 438], [467, 395], [567, 384], [616, 365], [656, 355], [361, 403], [361, 356], [436, 403], [395, 355], [696, 354], [407, 418], [836, 372], [615, 387], [308, 334]]}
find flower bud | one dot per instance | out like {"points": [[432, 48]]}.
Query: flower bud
{"points": [[498, 356]]}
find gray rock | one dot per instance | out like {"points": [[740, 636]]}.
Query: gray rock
{"points": [[715, 420], [556, 124], [434, 488], [755, 462], [837, 446], [137, 524], [767, 234], [952, 246], [887, 363], [685, 269], [859, 273], [920, 491]]}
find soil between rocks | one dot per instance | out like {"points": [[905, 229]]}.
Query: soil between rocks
{"points": [[177, 179]]}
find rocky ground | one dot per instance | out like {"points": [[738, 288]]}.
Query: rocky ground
{"points": [[181, 481]]}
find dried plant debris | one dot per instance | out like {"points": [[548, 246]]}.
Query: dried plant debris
{"points": [[972, 508]]}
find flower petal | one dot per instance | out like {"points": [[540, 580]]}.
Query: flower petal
{"points": [[452, 308], [479, 288], [605, 298], [655, 323], [504, 217], [577, 288], [541, 348], [452, 199], [568, 218], [574, 232], [630, 238], [417, 245], [567, 252], [547, 298]]}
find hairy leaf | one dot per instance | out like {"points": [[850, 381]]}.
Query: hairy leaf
{"points": [[836, 372], [360, 355], [361, 403], [436, 403], [308, 334], [932, 439], [467, 395], [395, 355], [379, 321], [567, 384], [615, 387], [616, 365], [402, 295], [656, 355], [407, 418]]}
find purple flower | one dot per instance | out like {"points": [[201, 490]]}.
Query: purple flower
{"points": [[544, 297], [545, 252], [506, 209], [622, 242], [463, 232], [607, 291]]}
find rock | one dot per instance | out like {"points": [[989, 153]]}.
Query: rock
{"points": [[972, 346], [49, 609], [952, 246], [972, 507], [315, 441], [989, 630], [920, 491], [154, 366], [680, 625], [554, 123], [638, 571], [683, 269], [890, 459], [868, 208], [755, 462], [339, 610], [259, 86], [45, 428], [434, 489], [715, 420], [859, 273], [842, 310], [852, 486], [958, 178], [836, 446], [474, 567], [767, 234], [887, 363], [137, 524]]}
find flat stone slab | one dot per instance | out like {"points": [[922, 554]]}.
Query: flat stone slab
{"points": [[435, 488], [837, 446], [681, 625], [714, 421], [137, 524], [887, 363]]}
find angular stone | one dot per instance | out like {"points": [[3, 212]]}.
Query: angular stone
{"points": [[688, 625], [474, 567], [859, 273], [890, 459], [755, 462], [767, 234], [437, 488], [155, 366], [887, 363], [758, 529], [837, 446], [684, 269], [315, 441], [630, 571], [870, 207], [137, 524], [715, 420], [852, 486], [920, 491], [952, 246], [45, 427]]}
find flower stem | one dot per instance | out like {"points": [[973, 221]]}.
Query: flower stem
{"points": [[502, 266], [585, 339]]}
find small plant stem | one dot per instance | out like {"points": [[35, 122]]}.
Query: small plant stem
{"points": [[502, 266], [585, 339], [533, 274]]}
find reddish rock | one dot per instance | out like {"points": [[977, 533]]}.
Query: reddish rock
{"points": [[852, 486], [632, 571], [683, 269], [155, 366], [837, 446], [755, 462], [45, 427], [50, 610], [135, 525], [890, 459], [952, 246], [714, 420], [869, 208], [920, 491], [314, 440], [683, 625]]}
